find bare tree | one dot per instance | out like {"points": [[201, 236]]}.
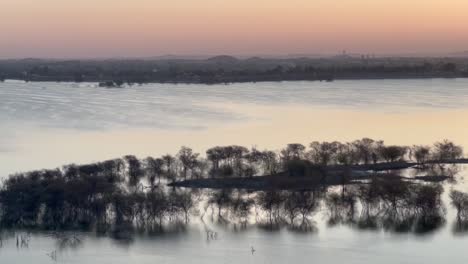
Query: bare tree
{"points": [[188, 160], [293, 151], [323, 153], [421, 153]]}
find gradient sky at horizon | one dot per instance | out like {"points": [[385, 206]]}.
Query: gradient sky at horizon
{"points": [[127, 28]]}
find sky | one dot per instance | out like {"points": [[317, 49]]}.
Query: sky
{"points": [[142, 28]]}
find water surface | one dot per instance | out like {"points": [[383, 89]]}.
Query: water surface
{"points": [[45, 125]]}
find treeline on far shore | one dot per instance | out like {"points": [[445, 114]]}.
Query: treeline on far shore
{"points": [[132, 192], [228, 69]]}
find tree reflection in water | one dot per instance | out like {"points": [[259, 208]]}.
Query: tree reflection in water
{"points": [[359, 184]]}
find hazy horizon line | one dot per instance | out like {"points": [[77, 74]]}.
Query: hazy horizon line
{"points": [[202, 56]]}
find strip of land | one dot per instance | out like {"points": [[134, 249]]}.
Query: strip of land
{"points": [[321, 176], [228, 69]]}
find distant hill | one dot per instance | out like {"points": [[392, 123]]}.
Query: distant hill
{"points": [[223, 59], [177, 57]]}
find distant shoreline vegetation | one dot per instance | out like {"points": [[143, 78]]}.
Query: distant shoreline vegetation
{"points": [[285, 187], [227, 69]]}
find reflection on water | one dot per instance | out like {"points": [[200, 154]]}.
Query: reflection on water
{"points": [[330, 227], [83, 123], [366, 236], [50, 124]]}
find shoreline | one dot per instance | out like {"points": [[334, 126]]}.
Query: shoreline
{"points": [[228, 69], [99, 83], [357, 78]]}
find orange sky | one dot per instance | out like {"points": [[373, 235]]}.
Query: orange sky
{"points": [[103, 28]]}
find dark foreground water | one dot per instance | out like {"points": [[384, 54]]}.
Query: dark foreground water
{"points": [[322, 243]]}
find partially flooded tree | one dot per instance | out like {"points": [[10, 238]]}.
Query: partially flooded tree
{"points": [[181, 203], [241, 207], [188, 160], [134, 169], [21, 199], [459, 201], [154, 169], [444, 157], [367, 149], [341, 207], [124, 208], [270, 161], [200, 169], [446, 151], [227, 161], [222, 199], [347, 154], [294, 151], [392, 153], [323, 153], [368, 196], [112, 169], [157, 207], [421, 154], [291, 206], [238, 155], [215, 155], [301, 204], [254, 157], [428, 206], [265, 162], [169, 167], [271, 202]]}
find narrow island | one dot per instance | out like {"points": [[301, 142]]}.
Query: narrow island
{"points": [[361, 183]]}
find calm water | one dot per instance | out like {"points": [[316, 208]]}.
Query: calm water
{"points": [[325, 244], [45, 125], [51, 124]]}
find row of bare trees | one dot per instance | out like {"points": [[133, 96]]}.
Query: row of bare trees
{"points": [[367, 151], [48, 200], [104, 194], [129, 189]]}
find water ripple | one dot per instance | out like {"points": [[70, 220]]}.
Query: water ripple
{"points": [[191, 106]]}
